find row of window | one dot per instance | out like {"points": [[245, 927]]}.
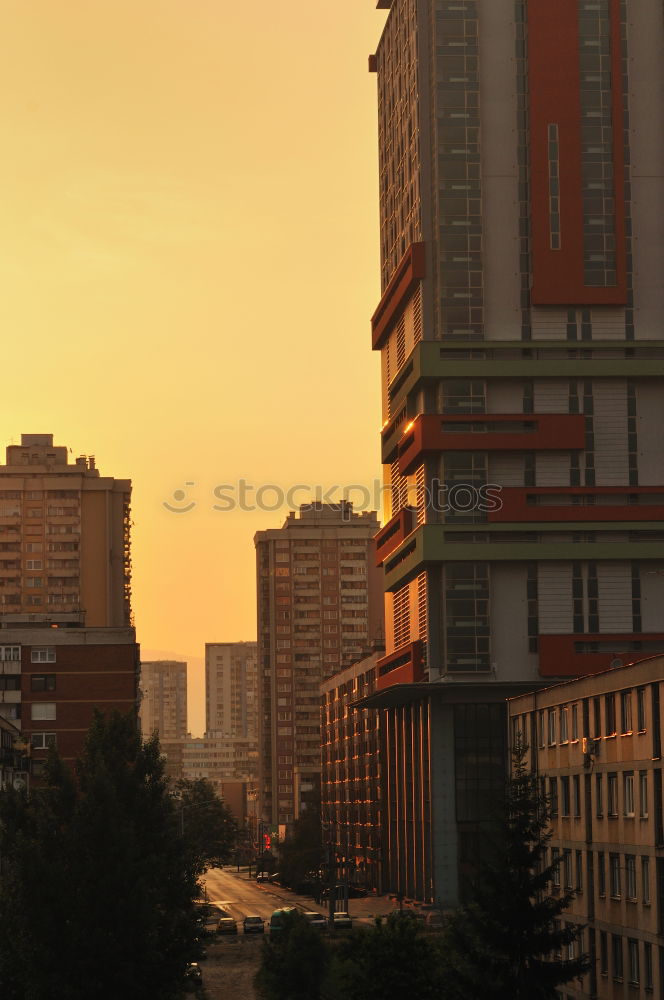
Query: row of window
{"points": [[38, 654], [569, 801], [564, 724], [625, 876]]}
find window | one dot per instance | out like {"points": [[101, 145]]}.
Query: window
{"points": [[42, 654], [630, 876], [613, 794], [601, 872], [645, 879], [42, 710], [597, 712], [10, 652], [567, 868], [614, 874], [42, 682], [641, 709], [555, 864], [628, 793], [643, 794], [603, 954], [610, 714], [579, 871], [599, 804], [551, 727], [616, 955], [42, 741], [553, 797], [564, 796], [575, 722], [34, 581], [647, 965], [576, 795], [563, 724], [33, 564], [540, 728], [626, 712], [633, 952]]}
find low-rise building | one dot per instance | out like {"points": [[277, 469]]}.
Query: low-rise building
{"points": [[350, 781], [53, 678], [596, 744]]}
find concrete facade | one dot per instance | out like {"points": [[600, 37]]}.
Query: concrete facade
{"points": [[231, 689], [64, 537], [319, 608], [163, 693], [595, 744]]}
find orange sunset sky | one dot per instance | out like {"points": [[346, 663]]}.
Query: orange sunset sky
{"points": [[189, 260]]}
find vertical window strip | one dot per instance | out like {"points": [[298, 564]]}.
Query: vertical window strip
{"points": [[554, 187], [598, 186]]}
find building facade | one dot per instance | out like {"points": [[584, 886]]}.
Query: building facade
{"points": [[163, 688], [319, 607], [351, 776], [231, 689], [64, 537], [219, 758], [596, 745], [53, 679], [520, 331]]}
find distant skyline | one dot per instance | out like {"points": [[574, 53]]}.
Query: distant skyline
{"points": [[189, 262]]}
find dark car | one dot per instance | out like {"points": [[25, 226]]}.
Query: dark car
{"points": [[227, 926], [253, 925], [342, 921], [194, 977], [316, 920], [262, 878]]}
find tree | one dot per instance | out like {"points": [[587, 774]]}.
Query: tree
{"points": [[294, 961], [97, 893], [393, 960], [505, 944], [207, 825], [300, 854]]}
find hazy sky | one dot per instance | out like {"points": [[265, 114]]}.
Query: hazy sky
{"points": [[189, 260]]}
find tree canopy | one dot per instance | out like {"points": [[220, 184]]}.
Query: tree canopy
{"points": [[97, 891], [207, 825], [294, 961]]}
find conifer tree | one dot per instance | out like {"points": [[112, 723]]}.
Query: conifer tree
{"points": [[508, 942], [97, 889]]}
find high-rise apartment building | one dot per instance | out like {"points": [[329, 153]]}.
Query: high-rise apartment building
{"points": [[64, 537], [318, 609], [231, 689], [520, 329], [163, 708]]}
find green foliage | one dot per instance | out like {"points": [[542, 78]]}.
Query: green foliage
{"points": [[293, 962], [503, 944], [97, 892], [301, 853], [391, 961], [209, 829]]}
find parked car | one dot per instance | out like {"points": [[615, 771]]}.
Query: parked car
{"points": [[275, 877], [316, 920], [253, 925], [227, 926], [193, 977], [342, 921], [262, 878]]}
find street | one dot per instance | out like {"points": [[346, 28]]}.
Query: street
{"points": [[232, 962]]}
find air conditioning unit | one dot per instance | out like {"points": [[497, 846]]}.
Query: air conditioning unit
{"points": [[591, 747]]}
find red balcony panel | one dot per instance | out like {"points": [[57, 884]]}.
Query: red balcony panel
{"points": [[393, 534], [433, 432], [520, 504], [404, 666], [563, 655], [410, 270]]}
